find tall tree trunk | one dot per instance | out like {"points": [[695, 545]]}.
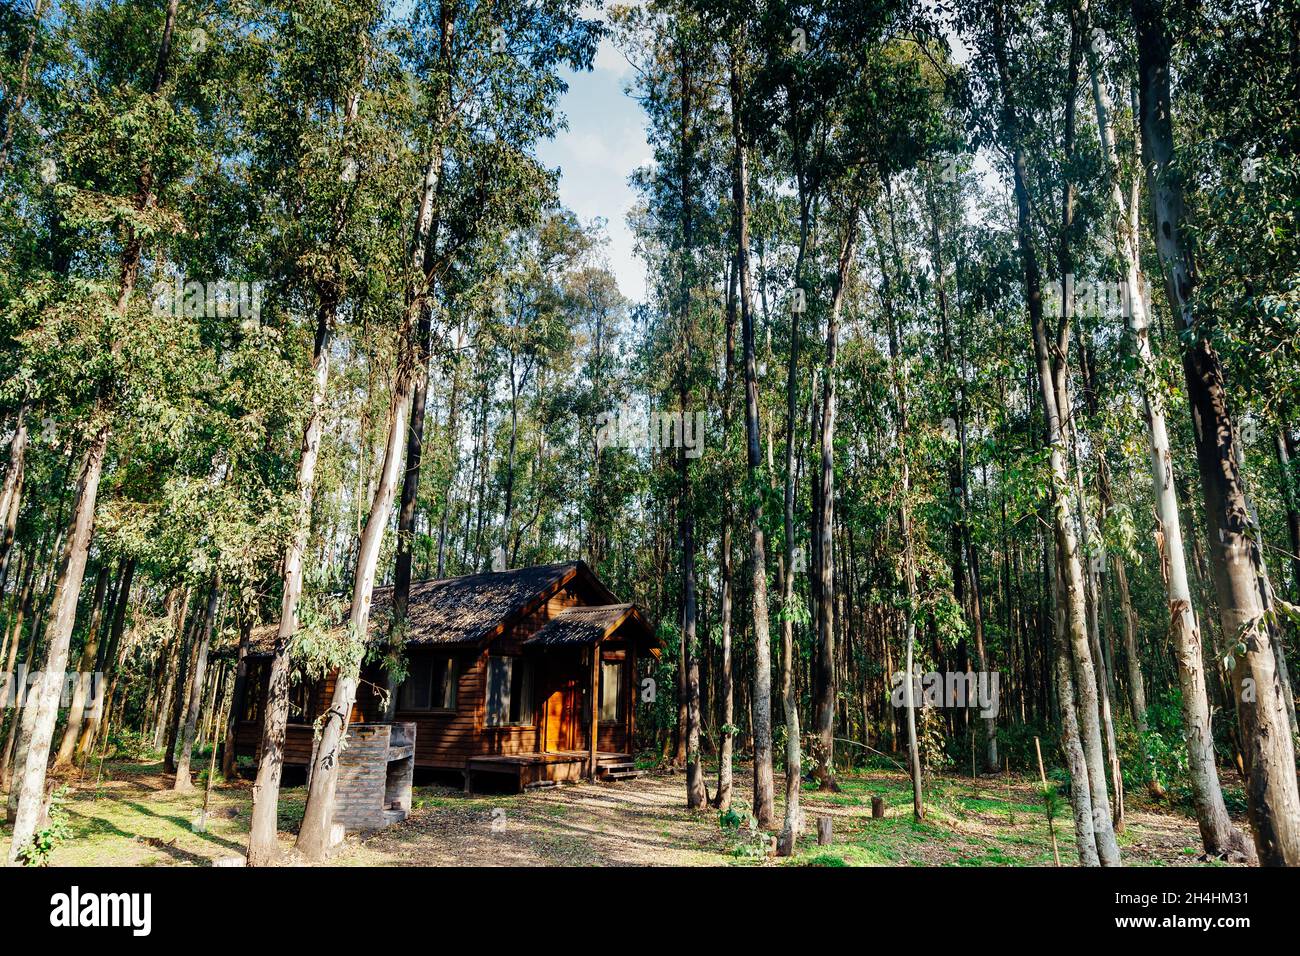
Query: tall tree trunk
{"points": [[696, 790], [314, 836], [1218, 833], [420, 384], [899, 381], [1085, 837], [1236, 562], [172, 655], [1066, 542], [62, 615], [761, 700], [89, 653], [825, 683], [195, 701], [262, 844], [90, 731], [238, 695], [176, 710], [726, 733], [63, 609]]}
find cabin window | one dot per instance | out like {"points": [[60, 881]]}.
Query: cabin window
{"points": [[300, 701], [509, 692], [430, 684], [255, 690], [611, 691]]}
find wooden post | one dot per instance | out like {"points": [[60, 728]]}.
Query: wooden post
{"points": [[973, 774], [1050, 825], [1011, 813], [595, 705], [877, 808], [212, 770], [823, 831]]}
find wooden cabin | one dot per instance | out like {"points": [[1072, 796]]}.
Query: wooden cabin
{"points": [[507, 674]]}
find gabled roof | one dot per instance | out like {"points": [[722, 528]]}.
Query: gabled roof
{"points": [[584, 626], [468, 610]]}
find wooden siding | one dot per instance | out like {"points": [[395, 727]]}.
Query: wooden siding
{"points": [[447, 740]]}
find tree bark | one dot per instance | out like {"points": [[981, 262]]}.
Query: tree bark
{"points": [[112, 661], [761, 700], [195, 701], [826, 683], [89, 653], [63, 611], [1066, 542], [262, 844], [238, 695], [1235, 558]]}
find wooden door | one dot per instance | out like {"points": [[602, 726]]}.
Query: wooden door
{"points": [[556, 738]]}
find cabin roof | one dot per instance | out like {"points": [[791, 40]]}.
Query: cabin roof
{"points": [[471, 609], [583, 626]]}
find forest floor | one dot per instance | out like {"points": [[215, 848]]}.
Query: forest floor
{"points": [[130, 817]]}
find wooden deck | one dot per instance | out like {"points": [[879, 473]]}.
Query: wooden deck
{"points": [[531, 770]]}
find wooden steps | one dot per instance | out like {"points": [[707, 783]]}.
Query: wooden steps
{"points": [[617, 770]]}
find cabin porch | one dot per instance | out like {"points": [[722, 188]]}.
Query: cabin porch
{"points": [[531, 771]]}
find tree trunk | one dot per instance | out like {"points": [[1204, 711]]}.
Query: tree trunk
{"points": [[825, 683], [313, 837], [1236, 562], [12, 492], [761, 701], [1066, 542], [195, 701], [90, 730], [238, 694], [1076, 763], [262, 844], [63, 611], [419, 388], [89, 653], [1218, 833]]}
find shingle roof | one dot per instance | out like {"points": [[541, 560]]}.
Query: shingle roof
{"points": [[581, 626], [463, 610]]}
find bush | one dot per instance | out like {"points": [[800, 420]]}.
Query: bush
{"points": [[131, 745], [45, 840]]}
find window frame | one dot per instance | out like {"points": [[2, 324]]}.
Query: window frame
{"points": [[620, 717], [451, 671], [526, 693]]}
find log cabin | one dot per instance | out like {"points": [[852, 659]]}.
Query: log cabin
{"points": [[507, 672]]}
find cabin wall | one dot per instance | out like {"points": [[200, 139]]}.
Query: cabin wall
{"points": [[448, 740]]}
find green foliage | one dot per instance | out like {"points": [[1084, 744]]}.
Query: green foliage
{"points": [[46, 839]]}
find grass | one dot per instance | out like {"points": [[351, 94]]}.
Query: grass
{"points": [[132, 818]]}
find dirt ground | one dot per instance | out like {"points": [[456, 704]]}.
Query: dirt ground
{"points": [[130, 817]]}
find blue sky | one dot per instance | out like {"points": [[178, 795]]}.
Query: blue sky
{"points": [[604, 143]]}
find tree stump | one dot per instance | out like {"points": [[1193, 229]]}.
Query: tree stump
{"points": [[877, 808], [823, 831]]}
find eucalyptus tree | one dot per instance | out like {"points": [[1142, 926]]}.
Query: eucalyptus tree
{"points": [[1011, 101], [1245, 600], [131, 130], [320, 134], [519, 55], [1217, 832]]}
